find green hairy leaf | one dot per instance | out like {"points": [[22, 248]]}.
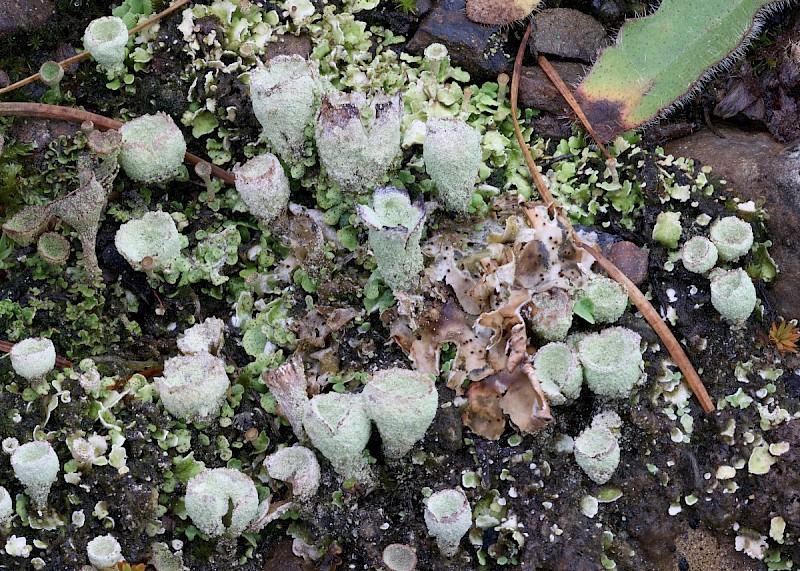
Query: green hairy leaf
{"points": [[664, 57]]}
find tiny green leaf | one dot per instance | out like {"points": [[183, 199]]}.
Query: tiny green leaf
{"points": [[584, 308]]}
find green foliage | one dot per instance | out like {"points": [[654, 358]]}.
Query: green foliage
{"points": [[584, 308], [130, 10], [15, 319], [377, 296], [659, 59], [762, 268], [406, 6]]}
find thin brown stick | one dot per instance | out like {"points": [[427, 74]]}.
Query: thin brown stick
{"points": [[71, 115], [639, 300], [37, 76], [6, 347], [559, 84], [538, 179], [157, 17], [83, 55]]}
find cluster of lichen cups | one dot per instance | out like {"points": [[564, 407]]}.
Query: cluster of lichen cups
{"points": [[402, 404], [733, 294], [358, 140], [609, 361], [356, 153], [35, 464]]}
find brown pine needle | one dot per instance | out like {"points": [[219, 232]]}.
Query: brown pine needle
{"points": [[559, 84], [71, 115], [83, 55], [541, 186], [638, 298]]}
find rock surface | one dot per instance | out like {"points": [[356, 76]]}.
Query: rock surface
{"points": [[23, 14], [757, 167], [767, 97], [568, 33], [536, 89], [631, 260], [480, 50]]}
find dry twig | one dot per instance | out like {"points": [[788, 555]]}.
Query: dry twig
{"points": [[638, 298], [559, 84], [541, 186]]}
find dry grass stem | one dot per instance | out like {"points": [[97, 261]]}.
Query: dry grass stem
{"points": [[559, 84]]}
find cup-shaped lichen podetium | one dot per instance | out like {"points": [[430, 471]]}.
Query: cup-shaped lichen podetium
{"points": [[33, 358], [154, 236], [733, 294], [597, 453], [105, 39], [559, 372], [104, 551], [27, 224], [612, 361], [732, 236], [193, 387], [551, 314], [297, 466], [36, 466], [51, 73], [452, 154], [222, 501], [338, 426], [699, 255], [285, 95], [448, 517], [402, 403], [263, 186], [395, 228], [399, 557], [153, 148], [358, 140], [53, 248]]}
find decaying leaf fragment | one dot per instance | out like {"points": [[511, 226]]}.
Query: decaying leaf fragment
{"points": [[516, 394], [443, 324], [491, 285]]}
